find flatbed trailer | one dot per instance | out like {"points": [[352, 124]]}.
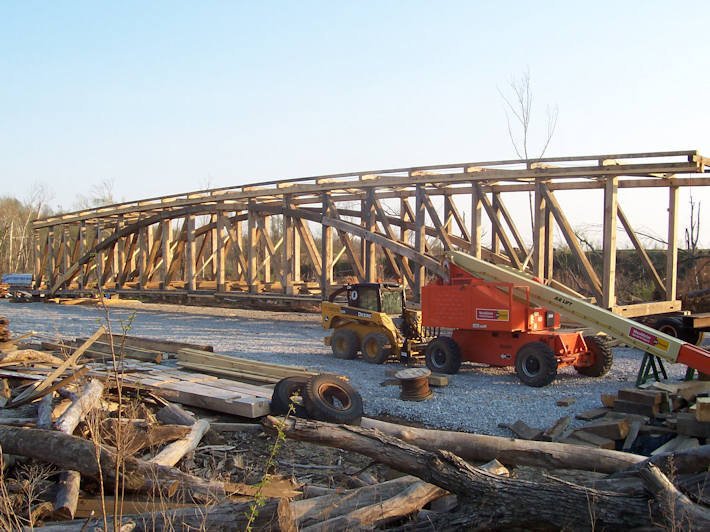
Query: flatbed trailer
{"points": [[631, 332]]}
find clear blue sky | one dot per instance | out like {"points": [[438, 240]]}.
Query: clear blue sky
{"points": [[166, 97]]}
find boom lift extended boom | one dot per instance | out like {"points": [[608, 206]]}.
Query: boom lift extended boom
{"points": [[633, 333]]}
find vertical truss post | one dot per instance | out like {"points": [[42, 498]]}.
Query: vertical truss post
{"points": [[476, 228], [403, 228], [288, 263], [326, 249], [82, 251], [672, 252], [419, 240], [539, 233], [99, 258], [549, 244], [143, 251], [252, 270], [166, 240], [611, 186], [37, 259], [219, 249], [66, 252], [190, 253], [369, 219]]}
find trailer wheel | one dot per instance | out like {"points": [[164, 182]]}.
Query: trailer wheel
{"points": [[283, 391], [344, 343], [536, 364], [443, 355], [329, 398], [673, 326], [603, 357], [376, 348]]}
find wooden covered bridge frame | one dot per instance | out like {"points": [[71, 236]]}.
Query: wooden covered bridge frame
{"points": [[247, 241]]}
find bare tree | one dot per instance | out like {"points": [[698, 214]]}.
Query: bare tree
{"points": [[518, 113]]}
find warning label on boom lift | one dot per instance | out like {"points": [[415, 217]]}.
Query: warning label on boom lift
{"points": [[491, 314], [647, 338]]}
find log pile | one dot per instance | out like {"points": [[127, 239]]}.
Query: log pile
{"points": [[118, 452]]}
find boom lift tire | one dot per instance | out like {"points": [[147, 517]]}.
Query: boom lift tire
{"points": [[283, 391], [344, 343], [376, 348], [329, 398], [536, 364], [443, 355], [673, 326], [603, 357]]}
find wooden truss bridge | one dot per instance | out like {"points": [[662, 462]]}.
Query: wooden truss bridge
{"points": [[287, 238]]}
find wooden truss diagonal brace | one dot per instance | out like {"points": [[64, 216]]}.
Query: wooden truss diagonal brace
{"points": [[495, 223], [572, 241]]}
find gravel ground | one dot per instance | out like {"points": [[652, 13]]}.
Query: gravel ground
{"points": [[476, 400]]}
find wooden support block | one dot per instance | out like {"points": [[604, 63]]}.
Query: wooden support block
{"points": [[689, 390], [523, 430], [613, 430], [593, 439], [633, 407], [689, 426], [438, 380], [592, 414], [702, 409], [645, 397], [567, 401], [554, 433], [608, 400]]}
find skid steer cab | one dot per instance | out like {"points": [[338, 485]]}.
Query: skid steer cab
{"points": [[372, 318]]}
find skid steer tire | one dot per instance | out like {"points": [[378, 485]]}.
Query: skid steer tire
{"points": [[443, 355], [330, 398], [603, 357], [344, 343], [673, 326], [283, 391], [376, 348], [536, 364]]}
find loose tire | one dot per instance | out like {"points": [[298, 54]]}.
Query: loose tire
{"points": [[376, 348], [536, 364], [443, 355], [344, 343], [283, 391], [329, 398], [603, 357], [673, 326]]}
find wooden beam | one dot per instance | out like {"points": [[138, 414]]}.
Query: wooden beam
{"points": [[609, 243], [672, 251]]}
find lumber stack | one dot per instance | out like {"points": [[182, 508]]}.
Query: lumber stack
{"points": [[238, 368], [4, 329]]}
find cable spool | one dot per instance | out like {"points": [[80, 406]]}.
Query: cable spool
{"points": [[415, 384]]}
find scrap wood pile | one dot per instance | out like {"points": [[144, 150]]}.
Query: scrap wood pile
{"points": [[175, 470], [659, 417]]}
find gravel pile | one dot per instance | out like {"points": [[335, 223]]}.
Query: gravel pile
{"points": [[476, 400]]}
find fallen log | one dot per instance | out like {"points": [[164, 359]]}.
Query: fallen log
{"points": [[307, 512], [408, 501], [509, 451], [273, 516], [676, 510], [72, 452], [486, 498], [70, 480], [174, 452], [683, 462]]}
